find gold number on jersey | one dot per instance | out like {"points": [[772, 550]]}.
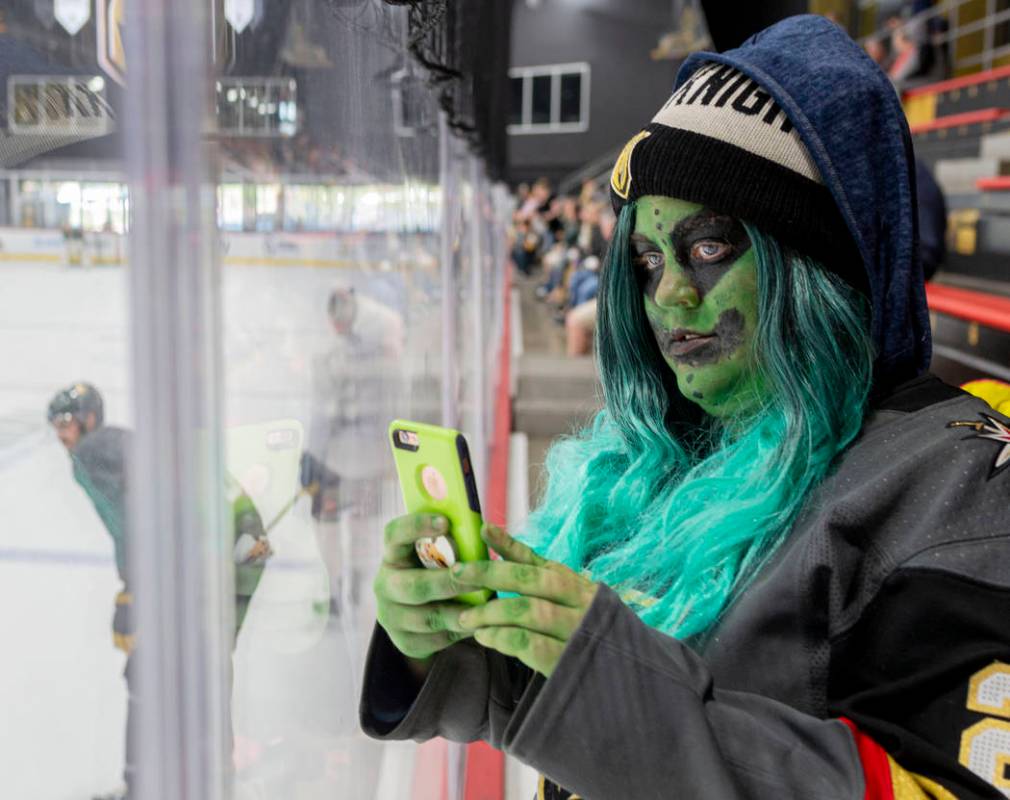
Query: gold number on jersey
{"points": [[985, 746]]}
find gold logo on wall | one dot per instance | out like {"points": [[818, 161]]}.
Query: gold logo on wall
{"points": [[620, 178], [110, 28]]}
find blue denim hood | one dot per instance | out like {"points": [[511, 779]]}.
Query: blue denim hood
{"points": [[851, 121]]}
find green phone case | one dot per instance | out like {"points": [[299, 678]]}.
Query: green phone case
{"points": [[445, 451]]}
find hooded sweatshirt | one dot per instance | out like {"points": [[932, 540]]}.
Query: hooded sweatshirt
{"points": [[870, 659]]}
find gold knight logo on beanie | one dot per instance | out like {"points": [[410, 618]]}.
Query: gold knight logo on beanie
{"points": [[620, 177]]}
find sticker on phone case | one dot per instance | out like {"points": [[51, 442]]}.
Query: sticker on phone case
{"points": [[435, 553]]}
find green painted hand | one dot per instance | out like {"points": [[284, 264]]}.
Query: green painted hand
{"points": [[412, 602], [536, 626]]}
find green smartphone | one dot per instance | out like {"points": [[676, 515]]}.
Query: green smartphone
{"points": [[436, 476]]}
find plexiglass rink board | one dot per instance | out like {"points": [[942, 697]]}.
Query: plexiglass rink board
{"points": [[339, 322], [324, 296]]}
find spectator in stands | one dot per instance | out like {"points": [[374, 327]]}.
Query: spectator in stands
{"points": [[525, 244], [522, 194], [584, 282], [569, 216], [876, 48], [580, 320], [537, 202], [559, 269], [777, 564], [907, 64], [590, 239]]}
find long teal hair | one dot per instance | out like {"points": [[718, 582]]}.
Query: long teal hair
{"points": [[678, 509]]}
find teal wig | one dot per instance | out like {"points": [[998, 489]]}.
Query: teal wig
{"points": [[673, 507]]}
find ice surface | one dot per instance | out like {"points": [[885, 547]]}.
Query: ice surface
{"points": [[297, 661]]}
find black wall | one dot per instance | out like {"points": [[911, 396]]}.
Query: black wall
{"points": [[626, 87], [730, 24]]}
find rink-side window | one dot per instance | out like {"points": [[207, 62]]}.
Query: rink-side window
{"points": [[549, 99], [256, 107]]}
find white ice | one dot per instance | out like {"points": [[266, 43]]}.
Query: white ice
{"points": [[297, 665]]}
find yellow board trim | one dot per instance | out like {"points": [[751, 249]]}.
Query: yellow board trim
{"points": [[269, 261], [48, 258], [232, 261]]}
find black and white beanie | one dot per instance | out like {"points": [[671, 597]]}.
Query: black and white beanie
{"points": [[722, 141]]}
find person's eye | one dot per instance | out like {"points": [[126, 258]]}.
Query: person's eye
{"points": [[709, 250], [651, 260]]}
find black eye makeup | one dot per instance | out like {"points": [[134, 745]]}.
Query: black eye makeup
{"points": [[649, 263], [705, 244]]}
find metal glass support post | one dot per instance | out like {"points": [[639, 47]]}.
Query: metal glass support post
{"points": [[450, 224], [479, 446], [177, 542]]}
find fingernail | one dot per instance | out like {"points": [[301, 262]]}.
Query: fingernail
{"points": [[458, 568], [440, 524]]}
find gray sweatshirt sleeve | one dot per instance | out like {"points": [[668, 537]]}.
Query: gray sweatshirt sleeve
{"points": [[628, 713], [471, 693]]}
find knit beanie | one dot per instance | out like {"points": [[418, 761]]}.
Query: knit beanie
{"points": [[721, 141]]}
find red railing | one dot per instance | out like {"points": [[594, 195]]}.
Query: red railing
{"points": [[962, 82], [986, 309], [956, 120]]}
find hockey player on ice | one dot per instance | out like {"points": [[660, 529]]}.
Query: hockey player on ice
{"points": [[99, 454]]}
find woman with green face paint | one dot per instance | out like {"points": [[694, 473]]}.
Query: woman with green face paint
{"points": [[773, 566], [699, 281]]}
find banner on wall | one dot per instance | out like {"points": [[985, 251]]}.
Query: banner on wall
{"points": [[72, 14], [111, 27], [239, 13]]}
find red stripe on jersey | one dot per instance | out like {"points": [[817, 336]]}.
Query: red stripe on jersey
{"points": [[876, 770]]}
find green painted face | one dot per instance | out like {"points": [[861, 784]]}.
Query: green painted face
{"points": [[698, 276]]}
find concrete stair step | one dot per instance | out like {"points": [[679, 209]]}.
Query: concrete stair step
{"points": [[557, 378], [958, 175], [995, 145], [551, 417]]}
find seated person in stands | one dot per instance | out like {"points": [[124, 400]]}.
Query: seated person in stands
{"points": [[560, 269], [525, 246], [580, 319], [777, 564], [569, 218]]}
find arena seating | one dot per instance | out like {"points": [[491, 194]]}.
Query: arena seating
{"points": [[961, 129]]}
